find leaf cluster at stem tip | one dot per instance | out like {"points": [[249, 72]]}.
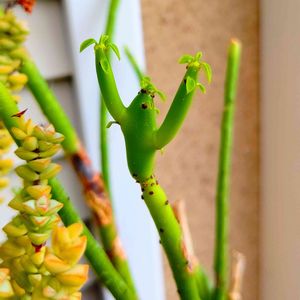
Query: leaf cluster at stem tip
{"points": [[150, 88], [104, 44], [196, 62]]}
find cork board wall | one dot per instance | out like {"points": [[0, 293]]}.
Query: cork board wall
{"points": [[188, 167]]}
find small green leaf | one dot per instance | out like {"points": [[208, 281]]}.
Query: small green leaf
{"points": [[104, 64], [103, 39], [185, 59], [198, 55], [190, 84], [145, 81], [161, 95], [87, 43], [201, 87], [207, 70], [115, 49]]}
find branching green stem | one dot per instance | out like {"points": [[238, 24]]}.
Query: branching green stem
{"points": [[222, 198], [95, 253], [139, 127]]}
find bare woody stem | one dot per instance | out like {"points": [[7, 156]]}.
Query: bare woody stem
{"points": [[92, 182], [222, 197], [94, 252], [237, 274], [204, 284]]}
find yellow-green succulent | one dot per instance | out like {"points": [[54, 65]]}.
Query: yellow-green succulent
{"points": [[12, 36], [36, 270]]}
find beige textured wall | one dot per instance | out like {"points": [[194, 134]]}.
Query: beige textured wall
{"points": [[188, 167]]}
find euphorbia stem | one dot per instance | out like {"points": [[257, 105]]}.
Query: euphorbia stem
{"points": [[171, 238], [95, 253], [109, 30], [222, 198], [92, 182]]}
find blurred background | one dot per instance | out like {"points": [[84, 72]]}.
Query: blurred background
{"points": [[266, 157]]}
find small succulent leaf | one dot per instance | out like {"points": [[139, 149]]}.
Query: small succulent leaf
{"points": [[207, 71], [104, 38], [198, 55], [201, 87], [104, 64], [161, 95], [116, 50], [190, 84], [145, 81], [87, 43], [185, 59]]}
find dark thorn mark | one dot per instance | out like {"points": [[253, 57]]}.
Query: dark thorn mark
{"points": [[167, 202], [144, 106], [184, 80], [156, 182], [178, 291], [152, 184], [143, 91], [143, 190], [151, 193], [159, 241], [151, 176], [187, 262], [134, 175], [161, 230], [152, 95], [142, 197], [19, 114]]}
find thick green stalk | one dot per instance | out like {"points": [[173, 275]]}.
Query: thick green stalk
{"points": [[171, 238], [96, 255], [50, 106], [222, 198], [177, 112], [137, 70]]}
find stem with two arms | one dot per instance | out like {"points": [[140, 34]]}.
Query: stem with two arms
{"points": [[94, 252], [204, 284], [143, 139], [222, 198]]}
